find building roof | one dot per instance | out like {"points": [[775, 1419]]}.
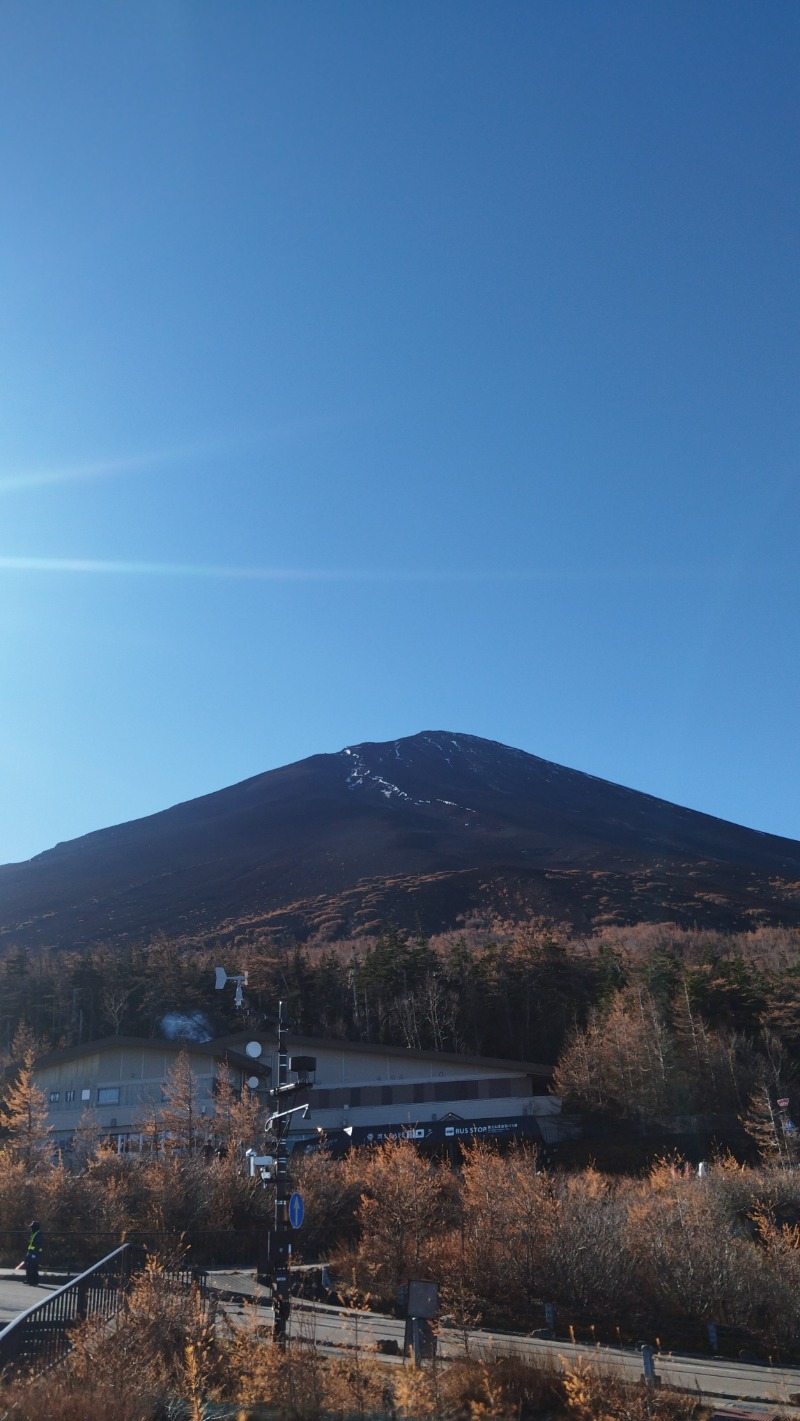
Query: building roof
{"points": [[228, 1048], [219, 1050], [526, 1068]]}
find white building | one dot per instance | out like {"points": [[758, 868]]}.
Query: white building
{"points": [[374, 1091], [369, 1091]]}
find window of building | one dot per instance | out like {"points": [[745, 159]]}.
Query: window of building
{"points": [[108, 1095], [69, 1096], [86, 1095], [55, 1095]]}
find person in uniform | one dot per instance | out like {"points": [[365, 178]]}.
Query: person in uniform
{"points": [[33, 1254]]}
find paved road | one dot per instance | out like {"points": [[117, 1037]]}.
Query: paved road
{"points": [[713, 1378], [16, 1295]]}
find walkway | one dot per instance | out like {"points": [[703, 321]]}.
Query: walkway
{"points": [[16, 1296]]}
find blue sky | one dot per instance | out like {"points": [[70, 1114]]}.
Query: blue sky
{"points": [[376, 367]]}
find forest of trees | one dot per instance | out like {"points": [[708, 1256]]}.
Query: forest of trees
{"points": [[648, 1029], [513, 990], [642, 1024]]}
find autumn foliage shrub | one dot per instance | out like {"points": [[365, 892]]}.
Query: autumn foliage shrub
{"points": [[172, 1357], [619, 1257]]}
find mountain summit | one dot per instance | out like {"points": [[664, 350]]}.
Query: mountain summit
{"points": [[421, 831]]}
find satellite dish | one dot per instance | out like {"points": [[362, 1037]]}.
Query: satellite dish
{"points": [[253, 1082], [253, 1049]]}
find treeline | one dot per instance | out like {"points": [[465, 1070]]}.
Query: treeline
{"points": [[620, 1258], [514, 990], [505, 992]]}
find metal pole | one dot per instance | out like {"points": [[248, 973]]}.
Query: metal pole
{"points": [[281, 1297], [649, 1367]]}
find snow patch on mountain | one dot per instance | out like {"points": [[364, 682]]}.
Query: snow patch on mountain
{"points": [[360, 775]]}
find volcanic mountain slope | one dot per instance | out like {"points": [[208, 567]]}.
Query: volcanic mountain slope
{"points": [[420, 831]]}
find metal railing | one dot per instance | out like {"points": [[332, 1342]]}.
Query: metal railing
{"points": [[70, 1252], [40, 1336]]}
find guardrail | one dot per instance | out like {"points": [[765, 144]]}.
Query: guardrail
{"points": [[39, 1337]]}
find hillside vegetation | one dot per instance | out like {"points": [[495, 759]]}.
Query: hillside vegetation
{"points": [[644, 1023]]}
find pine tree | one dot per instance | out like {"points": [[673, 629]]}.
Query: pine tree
{"points": [[622, 1064], [23, 1115], [399, 1213], [179, 1115], [236, 1117], [578, 1077], [86, 1139]]}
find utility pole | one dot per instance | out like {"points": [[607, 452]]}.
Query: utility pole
{"points": [[279, 1250], [278, 1125]]}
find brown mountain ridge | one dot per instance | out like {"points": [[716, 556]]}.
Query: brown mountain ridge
{"points": [[420, 831]]}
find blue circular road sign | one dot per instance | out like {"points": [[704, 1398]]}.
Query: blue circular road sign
{"points": [[297, 1211]]}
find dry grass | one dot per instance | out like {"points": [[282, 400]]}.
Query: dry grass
{"points": [[592, 1394], [171, 1357]]}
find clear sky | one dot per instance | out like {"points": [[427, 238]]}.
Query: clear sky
{"points": [[369, 368]]}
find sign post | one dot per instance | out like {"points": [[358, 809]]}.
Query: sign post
{"points": [[297, 1211], [422, 1307]]}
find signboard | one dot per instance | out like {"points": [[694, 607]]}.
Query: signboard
{"points": [[422, 1299], [436, 1132], [297, 1211]]}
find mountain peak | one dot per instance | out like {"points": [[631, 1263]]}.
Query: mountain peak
{"points": [[421, 830]]}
